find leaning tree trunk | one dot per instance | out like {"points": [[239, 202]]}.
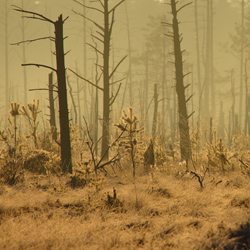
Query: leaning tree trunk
{"points": [[185, 144], [62, 95]]}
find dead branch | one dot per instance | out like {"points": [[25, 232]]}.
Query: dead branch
{"points": [[43, 18], [198, 177], [117, 66], [191, 114], [112, 100], [244, 164], [85, 79], [101, 3], [44, 89], [97, 38], [34, 40], [38, 65], [100, 165], [88, 7], [183, 6], [112, 22], [189, 98], [95, 48], [95, 23], [112, 83], [116, 6]]}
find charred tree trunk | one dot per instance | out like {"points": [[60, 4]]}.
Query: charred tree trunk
{"points": [[185, 144], [79, 104], [52, 108], [106, 106], [155, 113], [198, 52], [62, 95], [146, 94], [24, 60], [241, 60], [129, 56], [7, 94]]}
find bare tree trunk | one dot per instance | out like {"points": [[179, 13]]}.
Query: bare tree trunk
{"points": [[146, 94], [7, 94], [185, 143], [106, 106], [79, 103], [246, 101], [233, 99], [85, 109], [207, 66], [213, 93], [154, 125], [62, 94], [52, 108], [198, 53], [163, 129], [241, 60], [24, 61], [129, 78]]}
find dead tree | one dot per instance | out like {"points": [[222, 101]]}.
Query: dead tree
{"points": [[61, 80], [185, 144], [197, 51], [241, 59], [155, 113], [6, 31], [52, 120], [103, 35]]}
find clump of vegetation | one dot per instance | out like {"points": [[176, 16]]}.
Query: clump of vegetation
{"points": [[111, 201], [217, 155], [11, 172], [130, 142], [31, 115], [41, 162], [7, 137]]}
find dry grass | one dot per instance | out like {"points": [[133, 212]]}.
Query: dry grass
{"points": [[164, 210]]}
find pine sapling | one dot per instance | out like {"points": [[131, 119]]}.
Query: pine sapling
{"points": [[31, 115], [128, 124]]}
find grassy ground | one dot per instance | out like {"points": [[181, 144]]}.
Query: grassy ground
{"points": [[164, 210]]}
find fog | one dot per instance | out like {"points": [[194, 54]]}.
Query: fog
{"points": [[146, 33]]}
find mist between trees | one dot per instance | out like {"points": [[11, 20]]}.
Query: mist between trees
{"points": [[180, 99]]}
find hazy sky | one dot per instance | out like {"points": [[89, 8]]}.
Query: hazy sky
{"points": [[225, 16]]}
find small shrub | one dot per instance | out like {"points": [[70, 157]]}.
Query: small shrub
{"points": [[12, 171]]}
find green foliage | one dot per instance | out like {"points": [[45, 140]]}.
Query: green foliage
{"points": [[129, 142]]}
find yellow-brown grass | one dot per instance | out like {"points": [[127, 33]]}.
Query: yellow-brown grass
{"points": [[164, 210]]}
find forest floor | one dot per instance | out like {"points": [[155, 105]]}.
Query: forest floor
{"points": [[166, 209]]}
